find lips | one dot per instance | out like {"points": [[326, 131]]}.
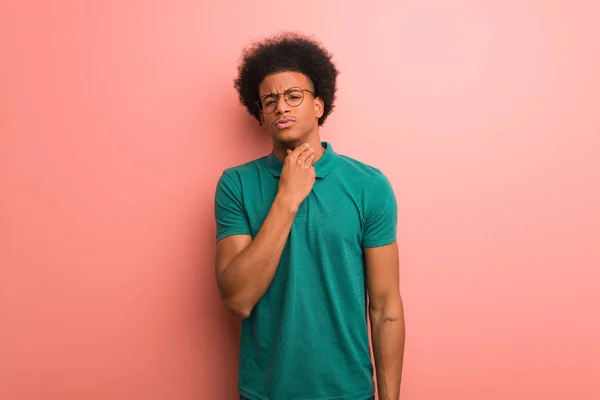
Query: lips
{"points": [[284, 123]]}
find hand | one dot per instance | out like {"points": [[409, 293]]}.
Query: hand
{"points": [[298, 175]]}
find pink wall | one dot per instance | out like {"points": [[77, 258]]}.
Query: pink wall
{"points": [[485, 116]]}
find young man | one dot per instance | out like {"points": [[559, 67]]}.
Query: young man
{"points": [[304, 235]]}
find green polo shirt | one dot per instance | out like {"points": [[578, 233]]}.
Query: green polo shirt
{"points": [[307, 337]]}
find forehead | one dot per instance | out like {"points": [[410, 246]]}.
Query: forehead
{"points": [[281, 81]]}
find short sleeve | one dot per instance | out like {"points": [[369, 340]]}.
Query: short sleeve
{"points": [[381, 214], [230, 216]]}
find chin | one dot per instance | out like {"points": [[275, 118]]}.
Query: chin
{"points": [[287, 137]]}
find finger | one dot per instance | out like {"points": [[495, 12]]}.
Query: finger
{"points": [[299, 150], [309, 161], [288, 157], [304, 156]]}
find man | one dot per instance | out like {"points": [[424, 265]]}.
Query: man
{"points": [[303, 236]]}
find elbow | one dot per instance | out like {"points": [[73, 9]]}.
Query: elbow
{"points": [[237, 308], [234, 302], [386, 307], [242, 313]]}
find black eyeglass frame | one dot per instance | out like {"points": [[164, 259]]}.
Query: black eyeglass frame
{"points": [[277, 95]]}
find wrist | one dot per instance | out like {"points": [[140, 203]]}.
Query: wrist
{"points": [[286, 203]]}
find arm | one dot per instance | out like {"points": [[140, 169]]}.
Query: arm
{"points": [[387, 318], [246, 267]]}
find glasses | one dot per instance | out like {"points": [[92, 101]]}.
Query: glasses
{"points": [[293, 97]]}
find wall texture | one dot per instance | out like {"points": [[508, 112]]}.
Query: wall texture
{"points": [[117, 117]]}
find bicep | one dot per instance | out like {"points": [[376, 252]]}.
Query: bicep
{"points": [[233, 229], [381, 215], [382, 273]]}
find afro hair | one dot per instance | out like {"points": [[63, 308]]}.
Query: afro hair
{"points": [[286, 52]]}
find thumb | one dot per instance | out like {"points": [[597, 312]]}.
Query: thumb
{"points": [[288, 151]]}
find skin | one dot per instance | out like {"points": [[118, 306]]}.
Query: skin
{"points": [[386, 313], [245, 267], [305, 129]]}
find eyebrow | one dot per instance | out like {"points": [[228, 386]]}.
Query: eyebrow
{"points": [[274, 94], [270, 94]]}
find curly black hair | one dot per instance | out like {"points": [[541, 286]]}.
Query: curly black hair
{"points": [[286, 52]]}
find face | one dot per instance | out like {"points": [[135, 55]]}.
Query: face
{"points": [[295, 120]]}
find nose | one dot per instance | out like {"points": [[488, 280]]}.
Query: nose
{"points": [[282, 105]]}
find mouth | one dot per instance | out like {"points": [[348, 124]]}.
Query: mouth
{"points": [[284, 123]]}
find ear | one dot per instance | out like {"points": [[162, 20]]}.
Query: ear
{"points": [[261, 117], [319, 107]]}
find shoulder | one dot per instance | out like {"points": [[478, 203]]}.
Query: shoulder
{"points": [[245, 171], [235, 180], [247, 167], [368, 182], [361, 172]]}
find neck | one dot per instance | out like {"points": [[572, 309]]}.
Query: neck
{"points": [[279, 149]]}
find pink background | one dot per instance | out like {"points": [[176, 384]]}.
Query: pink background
{"points": [[117, 117]]}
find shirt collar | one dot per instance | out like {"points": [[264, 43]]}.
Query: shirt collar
{"points": [[323, 166]]}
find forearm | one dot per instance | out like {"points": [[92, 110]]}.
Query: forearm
{"points": [[388, 333], [244, 281]]}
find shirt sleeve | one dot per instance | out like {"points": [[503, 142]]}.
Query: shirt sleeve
{"points": [[381, 214], [230, 215]]}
